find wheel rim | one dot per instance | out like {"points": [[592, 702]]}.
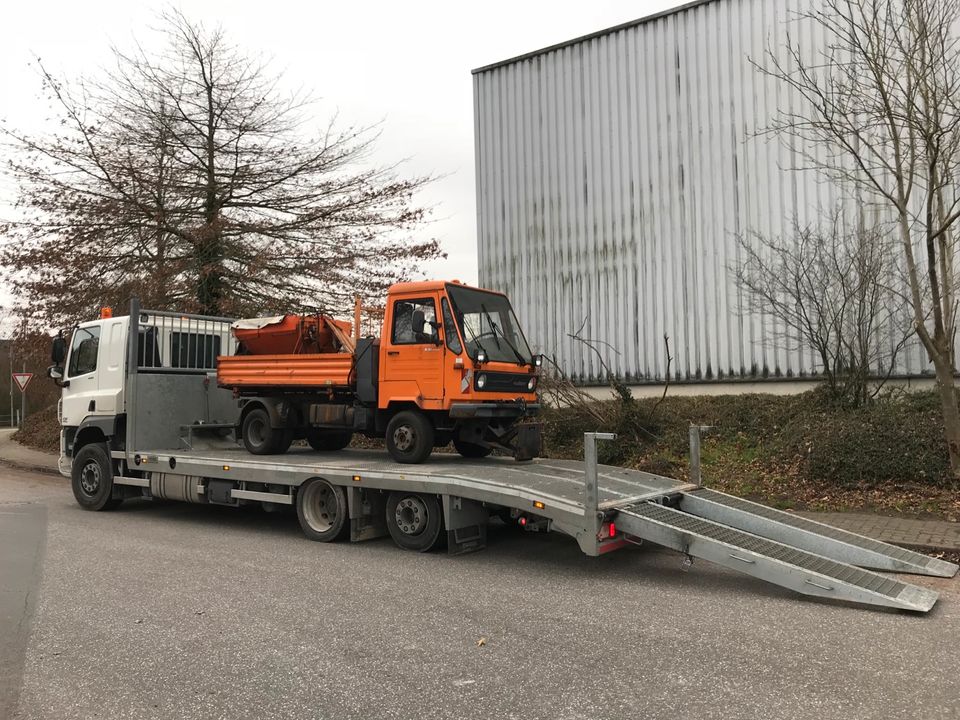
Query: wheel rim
{"points": [[90, 478], [404, 438], [411, 515], [320, 507], [255, 431]]}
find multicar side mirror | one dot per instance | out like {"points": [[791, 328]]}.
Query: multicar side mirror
{"points": [[417, 321]]}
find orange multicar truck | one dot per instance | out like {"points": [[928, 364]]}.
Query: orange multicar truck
{"points": [[451, 365]]}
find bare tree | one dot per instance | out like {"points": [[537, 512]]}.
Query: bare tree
{"points": [[189, 177], [832, 291], [881, 113]]}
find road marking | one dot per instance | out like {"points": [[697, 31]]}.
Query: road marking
{"points": [[23, 536]]}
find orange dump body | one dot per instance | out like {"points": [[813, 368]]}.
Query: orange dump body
{"points": [[312, 351]]}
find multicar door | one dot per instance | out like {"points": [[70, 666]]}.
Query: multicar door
{"points": [[412, 367]]}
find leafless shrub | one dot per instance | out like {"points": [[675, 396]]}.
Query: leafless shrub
{"points": [[831, 289]]}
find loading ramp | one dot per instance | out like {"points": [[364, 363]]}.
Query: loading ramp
{"points": [[809, 535], [769, 560]]}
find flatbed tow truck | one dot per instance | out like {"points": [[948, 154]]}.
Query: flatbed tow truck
{"points": [[143, 416]]}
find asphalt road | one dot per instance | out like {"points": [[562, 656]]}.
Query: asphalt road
{"points": [[164, 610]]}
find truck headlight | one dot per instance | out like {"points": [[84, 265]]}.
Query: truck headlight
{"points": [[481, 381], [481, 357], [532, 384], [538, 360]]}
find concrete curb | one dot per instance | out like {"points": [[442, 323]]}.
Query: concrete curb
{"points": [[29, 467]]}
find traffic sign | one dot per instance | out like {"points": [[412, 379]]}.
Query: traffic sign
{"points": [[22, 379]]}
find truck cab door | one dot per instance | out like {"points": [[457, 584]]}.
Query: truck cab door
{"points": [[110, 370], [81, 382], [412, 359]]}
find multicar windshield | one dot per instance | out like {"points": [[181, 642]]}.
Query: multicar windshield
{"points": [[487, 323]]}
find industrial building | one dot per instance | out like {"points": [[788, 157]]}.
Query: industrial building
{"points": [[615, 173]]}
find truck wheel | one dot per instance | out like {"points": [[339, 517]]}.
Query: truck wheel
{"points": [[92, 478], [328, 440], [471, 450], [323, 511], [409, 437], [286, 440], [415, 521], [261, 439]]}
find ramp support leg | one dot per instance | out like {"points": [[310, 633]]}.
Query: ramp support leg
{"points": [[695, 476], [591, 505]]}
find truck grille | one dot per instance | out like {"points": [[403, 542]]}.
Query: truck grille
{"points": [[503, 382]]}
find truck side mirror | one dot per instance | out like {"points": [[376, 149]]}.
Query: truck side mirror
{"points": [[58, 353], [55, 372]]}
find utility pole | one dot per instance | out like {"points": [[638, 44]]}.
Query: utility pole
{"points": [[23, 399], [11, 381]]}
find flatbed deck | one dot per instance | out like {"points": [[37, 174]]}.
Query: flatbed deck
{"points": [[558, 484]]}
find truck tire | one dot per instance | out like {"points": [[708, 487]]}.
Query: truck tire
{"points": [[415, 520], [261, 439], [409, 437], [471, 450], [92, 478], [328, 440], [323, 511]]}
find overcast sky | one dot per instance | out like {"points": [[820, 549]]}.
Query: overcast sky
{"points": [[406, 64]]}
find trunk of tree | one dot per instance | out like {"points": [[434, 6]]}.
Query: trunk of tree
{"points": [[210, 249], [951, 413]]}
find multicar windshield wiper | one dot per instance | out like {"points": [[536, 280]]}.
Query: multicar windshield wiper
{"points": [[491, 323], [473, 339], [496, 329]]}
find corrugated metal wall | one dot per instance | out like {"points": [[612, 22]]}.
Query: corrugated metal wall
{"points": [[614, 175]]}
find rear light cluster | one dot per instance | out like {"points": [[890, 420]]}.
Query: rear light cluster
{"points": [[608, 531]]}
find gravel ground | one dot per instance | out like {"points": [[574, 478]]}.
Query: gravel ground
{"points": [[164, 610]]}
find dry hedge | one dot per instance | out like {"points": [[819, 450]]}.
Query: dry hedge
{"points": [[895, 438]]}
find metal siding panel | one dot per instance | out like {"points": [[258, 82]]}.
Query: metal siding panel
{"points": [[738, 206], [614, 175]]}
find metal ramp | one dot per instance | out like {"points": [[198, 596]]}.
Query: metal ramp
{"points": [[792, 567], [809, 535]]}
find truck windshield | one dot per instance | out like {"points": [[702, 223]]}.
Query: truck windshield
{"points": [[487, 323]]}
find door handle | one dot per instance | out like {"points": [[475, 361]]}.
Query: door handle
{"points": [[393, 352]]}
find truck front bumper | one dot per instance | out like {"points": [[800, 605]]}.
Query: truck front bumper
{"points": [[505, 409]]}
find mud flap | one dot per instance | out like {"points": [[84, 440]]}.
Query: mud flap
{"points": [[527, 441], [466, 524], [366, 513]]}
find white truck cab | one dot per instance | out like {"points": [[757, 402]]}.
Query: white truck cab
{"points": [[93, 374]]}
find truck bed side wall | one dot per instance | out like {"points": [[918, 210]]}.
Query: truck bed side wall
{"points": [[285, 371], [164, 402]]}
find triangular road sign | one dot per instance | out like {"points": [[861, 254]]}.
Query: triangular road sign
{"points": [[22, 379]]}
